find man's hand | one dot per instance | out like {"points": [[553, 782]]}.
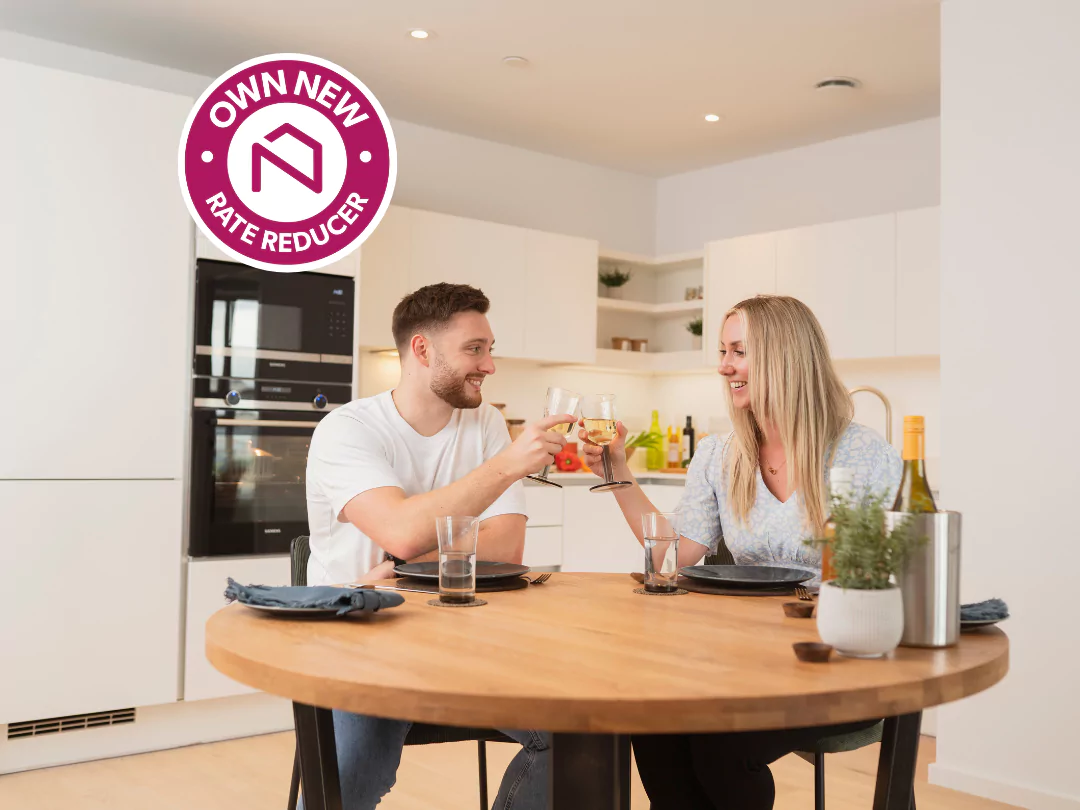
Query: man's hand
{"points": [[616, 450], [536, 447]]}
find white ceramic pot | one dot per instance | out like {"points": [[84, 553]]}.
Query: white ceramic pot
{"points": [[860, 624], [696, 342]]}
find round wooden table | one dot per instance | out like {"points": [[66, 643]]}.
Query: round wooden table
{"points": [[585, 657]]}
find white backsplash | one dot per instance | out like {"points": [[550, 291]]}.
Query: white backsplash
{"points": [[911, 384]]}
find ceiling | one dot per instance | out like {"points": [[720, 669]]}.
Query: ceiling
{"points": [[618, 83]]}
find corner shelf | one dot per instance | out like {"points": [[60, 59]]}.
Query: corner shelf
{"points": [[643, 308]]}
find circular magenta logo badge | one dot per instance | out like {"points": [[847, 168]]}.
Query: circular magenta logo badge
{"points": [[287, 162]]}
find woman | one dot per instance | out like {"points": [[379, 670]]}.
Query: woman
{"points": [[761, 491]]}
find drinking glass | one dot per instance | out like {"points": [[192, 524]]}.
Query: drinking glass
{"points": [[661, 551], [559, 400], [457, 558], [598, 413]]}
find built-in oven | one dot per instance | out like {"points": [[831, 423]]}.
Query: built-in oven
{"points": [[273, 357]]}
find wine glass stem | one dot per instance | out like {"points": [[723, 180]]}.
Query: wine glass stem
{"points": [[544, 472], [605, 459]]}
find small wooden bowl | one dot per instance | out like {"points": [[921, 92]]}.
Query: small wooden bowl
{"points": [[798, 610], [812, 652]]}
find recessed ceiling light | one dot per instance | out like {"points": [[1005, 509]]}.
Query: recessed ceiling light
{"points": [[712, 118], [419, 33], [838, 83], [515, 61]]}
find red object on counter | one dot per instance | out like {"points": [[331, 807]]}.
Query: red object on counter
{"points": [[566, 460]]}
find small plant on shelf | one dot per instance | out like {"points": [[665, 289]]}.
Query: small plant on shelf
{"points": [[613, 278], [694, 328]]}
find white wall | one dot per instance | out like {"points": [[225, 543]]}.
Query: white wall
{"points": [[438, 170], [1010, 126], [871, 173], [455, 174]]}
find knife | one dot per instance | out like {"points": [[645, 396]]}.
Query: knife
{"points": [[396, 588]]}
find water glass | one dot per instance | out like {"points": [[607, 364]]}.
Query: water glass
{"points": [[661, 551], [457, 558]]}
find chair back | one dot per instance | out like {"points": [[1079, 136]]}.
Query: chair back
{"points": [[299, 552]]}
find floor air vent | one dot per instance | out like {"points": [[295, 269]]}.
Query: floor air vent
{"points": [[74, 722]]}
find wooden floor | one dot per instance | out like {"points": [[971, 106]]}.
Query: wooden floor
{"points": [[254, 773]]}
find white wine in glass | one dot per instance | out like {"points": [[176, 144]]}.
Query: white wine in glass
{"points": [[601, 426], [559, 400], [600, 431]]}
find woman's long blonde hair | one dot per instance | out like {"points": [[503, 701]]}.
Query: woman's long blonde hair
{"points": [[794, 386]]}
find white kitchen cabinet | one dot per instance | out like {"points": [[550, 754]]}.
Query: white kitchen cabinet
{"points": [[385, 259], [846, 273], [918, 282], [595, 534], [543, 547], [483, 254], [559, 305], [95, 285], [206, 581], [89, 596], [544, 505], [735, 269]]}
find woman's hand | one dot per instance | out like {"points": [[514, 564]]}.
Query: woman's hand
{"points": [[591, 452]]}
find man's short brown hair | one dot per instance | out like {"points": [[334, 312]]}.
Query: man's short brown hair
{"points": [[431, 308]]}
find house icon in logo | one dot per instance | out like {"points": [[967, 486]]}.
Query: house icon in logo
{"points": [[260, 153]]}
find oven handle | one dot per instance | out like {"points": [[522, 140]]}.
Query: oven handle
{"points": [[266, 423]]}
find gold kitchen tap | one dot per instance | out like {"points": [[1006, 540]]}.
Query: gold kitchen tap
{"points": [[888, 407]]}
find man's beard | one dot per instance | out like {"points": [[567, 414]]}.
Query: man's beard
{"points": [[451, 387]]}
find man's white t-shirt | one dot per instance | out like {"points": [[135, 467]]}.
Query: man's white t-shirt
{"points": [[366, 445]]}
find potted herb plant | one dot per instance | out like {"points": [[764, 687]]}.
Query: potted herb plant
{"points": [[612, 280], [861, 612], [694, 328], [646, 440]]}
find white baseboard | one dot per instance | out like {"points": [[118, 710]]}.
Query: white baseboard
{"points": [[155, 728], [1017, 795]]}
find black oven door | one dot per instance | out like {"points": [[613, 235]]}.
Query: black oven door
{"points": [[298, 316], [248, 484]]}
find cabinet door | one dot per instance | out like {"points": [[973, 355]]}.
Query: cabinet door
{"points": [[543, 547], [205, 596], [846, 273], [384, 276], [596, 536], [735, 269], [918, 282], [483, 254], [89, 596], [560, 297], [95, 284]]}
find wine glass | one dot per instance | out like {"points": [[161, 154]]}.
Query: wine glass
{"points": [[598, 413], [559, 400]]}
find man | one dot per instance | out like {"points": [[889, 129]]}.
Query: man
{"points": [[381, 469]]}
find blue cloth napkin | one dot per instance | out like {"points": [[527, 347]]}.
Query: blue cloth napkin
{"points": [[346, 600], [991, 609]]}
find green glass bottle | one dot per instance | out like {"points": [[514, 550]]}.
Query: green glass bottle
{"points": [[655, 457], [914, 493]]}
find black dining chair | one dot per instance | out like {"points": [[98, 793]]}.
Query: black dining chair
{"points": [[836, 744], [420, 733]]}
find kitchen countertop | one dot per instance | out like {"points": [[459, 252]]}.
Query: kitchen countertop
{"points": [[588, 479]]}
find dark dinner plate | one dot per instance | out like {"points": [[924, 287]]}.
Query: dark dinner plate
{"points": [[485, 571], [746, 576]]}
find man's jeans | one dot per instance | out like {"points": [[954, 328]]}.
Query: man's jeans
{"points": [[369, 752]]}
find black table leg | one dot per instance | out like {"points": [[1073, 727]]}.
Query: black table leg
{"points": [[318, 757], [896, 766], [590, 771]]}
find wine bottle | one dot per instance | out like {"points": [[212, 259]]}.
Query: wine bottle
{"points": [[655, 457], [688, 442], [674, 452], [914, 493], [841, 481]]}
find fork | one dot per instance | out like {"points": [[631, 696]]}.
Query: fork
{"points": [[803, 594], [540, 580]]}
